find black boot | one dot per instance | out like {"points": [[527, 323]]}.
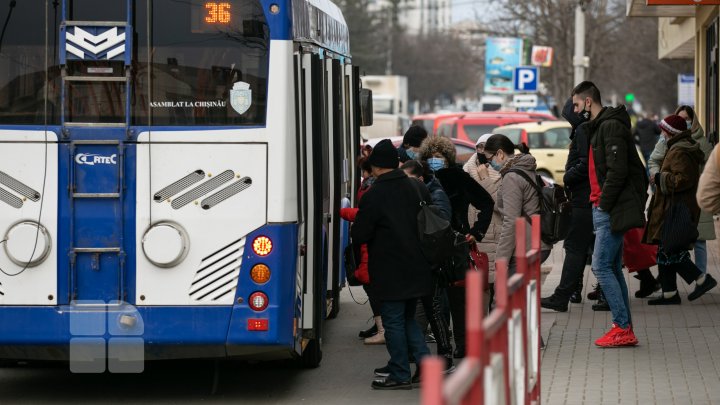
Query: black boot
{"points": [[576, 296], [602, 304], [554, 303], [372, 331], [648, 283], [595, 293]]}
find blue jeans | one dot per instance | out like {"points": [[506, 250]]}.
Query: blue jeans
{"points": [[607, 267], [701, 255], [402, 334]]}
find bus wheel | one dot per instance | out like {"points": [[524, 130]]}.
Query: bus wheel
{"points": [[312, 355]]}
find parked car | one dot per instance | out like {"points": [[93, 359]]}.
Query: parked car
{"points": [[549, 142], [470, 127], [464, 150], [431, 122]]}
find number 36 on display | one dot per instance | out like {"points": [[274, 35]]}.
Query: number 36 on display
{"points": [[217, 13]]}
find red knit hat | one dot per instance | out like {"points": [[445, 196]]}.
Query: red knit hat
{"points": [[673, 125]]}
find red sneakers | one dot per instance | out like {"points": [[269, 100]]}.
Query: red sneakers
{"points": [[617, 337]]}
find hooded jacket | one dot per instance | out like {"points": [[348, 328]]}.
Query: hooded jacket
{"points": [[491, 183], [679, 178], [706, 226], [620, 173], [516, 198]]}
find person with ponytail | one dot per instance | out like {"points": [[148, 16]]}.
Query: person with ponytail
{"points": [[516, 197]]}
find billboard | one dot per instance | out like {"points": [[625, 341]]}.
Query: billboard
{"points": [[502, 56], [541, 56], [686, 90]]}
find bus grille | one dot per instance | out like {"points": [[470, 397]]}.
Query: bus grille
{"points": [[216, 279], [203, 189], [19, 187], [10, 198]]}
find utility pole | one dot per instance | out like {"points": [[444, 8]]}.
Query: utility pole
{"points": [[579, 60]]}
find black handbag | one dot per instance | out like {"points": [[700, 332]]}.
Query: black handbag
{"points": [[679, 231], [350, 260]]}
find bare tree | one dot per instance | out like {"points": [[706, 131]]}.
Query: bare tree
{"points": [[622, 51]]}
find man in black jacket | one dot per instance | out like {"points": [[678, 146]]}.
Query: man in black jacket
{"points": [[580, 238], [400, 274], [617, 194]]}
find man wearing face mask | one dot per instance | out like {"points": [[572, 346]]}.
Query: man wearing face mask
{"points": [[617, 194], [580, 238], [411, 143]]}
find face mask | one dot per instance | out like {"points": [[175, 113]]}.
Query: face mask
{"points": [[436, 164], [584, 115], [689, 124], [495, 165], [411, 154], [481, 158]]}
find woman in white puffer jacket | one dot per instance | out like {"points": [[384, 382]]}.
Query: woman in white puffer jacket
{"points": [[490, 180]]}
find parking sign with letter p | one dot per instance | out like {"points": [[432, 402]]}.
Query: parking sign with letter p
{"points": [[525, 79]]}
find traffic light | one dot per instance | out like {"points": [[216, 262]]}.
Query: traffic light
{"points": [[629, 98]]}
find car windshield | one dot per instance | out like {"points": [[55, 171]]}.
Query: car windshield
{"points": [[474, 132], [512, 133]]}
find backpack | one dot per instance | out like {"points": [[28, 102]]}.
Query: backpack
{"points": [[436, 236], [555, 209]]}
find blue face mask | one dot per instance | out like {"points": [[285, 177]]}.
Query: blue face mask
{"points": [[411, 154], [436, 164], [496, 166]]}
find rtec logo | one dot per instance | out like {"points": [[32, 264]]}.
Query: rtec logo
{"points": [[93, 159]]}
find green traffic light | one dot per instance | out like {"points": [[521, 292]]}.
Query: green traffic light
{"points": [[629, 98]]}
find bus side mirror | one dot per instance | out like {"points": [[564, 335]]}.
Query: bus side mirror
{"points": [[366, 108]]}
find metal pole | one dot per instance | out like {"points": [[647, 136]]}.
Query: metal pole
{"points": [[579, 59]]}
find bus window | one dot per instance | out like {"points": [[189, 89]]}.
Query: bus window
{"points": [[24, 78], [203, 65], [88, 10]]}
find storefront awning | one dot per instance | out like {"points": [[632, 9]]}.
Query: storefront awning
{"points": [[640, 8]]}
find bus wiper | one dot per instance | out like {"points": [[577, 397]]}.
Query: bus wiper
{"points": [[7, 20]]}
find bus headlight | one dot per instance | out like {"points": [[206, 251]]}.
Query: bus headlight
{"points": [[262, 246], [260, 273], [258, 301]]}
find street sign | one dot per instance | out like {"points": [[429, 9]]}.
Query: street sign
{"points": [[525, 101], [526, 79]]}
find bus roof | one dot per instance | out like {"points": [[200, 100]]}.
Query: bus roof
{"points": [[328, 28]]}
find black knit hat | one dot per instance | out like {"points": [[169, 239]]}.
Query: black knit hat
{"points": [[414, 136], [384, 155]]}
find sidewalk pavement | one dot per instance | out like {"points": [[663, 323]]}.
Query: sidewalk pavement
{"points": [[677, 360]]}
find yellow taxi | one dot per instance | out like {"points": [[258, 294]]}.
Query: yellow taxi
{"points": [[549, 143]]}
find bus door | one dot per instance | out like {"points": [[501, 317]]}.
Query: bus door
{"points": [[95, 68], [313, 190]]}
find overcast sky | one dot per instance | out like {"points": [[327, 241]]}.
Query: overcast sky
{"points": [[467, 9]]}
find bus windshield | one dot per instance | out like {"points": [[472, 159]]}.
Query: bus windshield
{"points": [[193, 63]]}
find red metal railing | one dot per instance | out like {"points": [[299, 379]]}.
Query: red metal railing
{"points": [[502, 363]]}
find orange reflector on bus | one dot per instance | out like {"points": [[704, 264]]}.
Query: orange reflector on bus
{"points": [[260, 273], [258, 324], [262, 246], [258, 301]]}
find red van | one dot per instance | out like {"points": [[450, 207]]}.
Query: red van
{"points": [[471, 126]]}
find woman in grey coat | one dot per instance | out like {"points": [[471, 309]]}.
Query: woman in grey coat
{"points": [[516, 197], [706, 227]]}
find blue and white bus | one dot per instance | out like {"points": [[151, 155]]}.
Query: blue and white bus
{"points": [[171, 174]]}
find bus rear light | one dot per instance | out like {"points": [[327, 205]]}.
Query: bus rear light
{"points": [[260, 273], [262, 246], [258, 301], [258, 324]]}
